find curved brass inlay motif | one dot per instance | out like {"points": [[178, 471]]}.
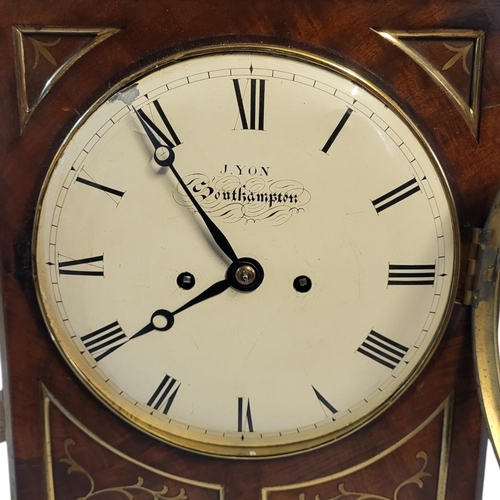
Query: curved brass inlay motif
{"points": [[48, 400], [19, 32], [41, 49], [469, 107], [352, 495], [125, 490], [445, 408], [461, 54]]}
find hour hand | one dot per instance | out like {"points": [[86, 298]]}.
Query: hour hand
{"points": [[162, 320]]}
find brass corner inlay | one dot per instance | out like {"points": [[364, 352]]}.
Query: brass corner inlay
{"points": [[468, 105], [445, 408], [127, 490], [42, 50]]}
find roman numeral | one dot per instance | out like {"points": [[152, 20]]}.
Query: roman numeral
{"points": [[244, 415], [83, 267], [104, 341], [383, 350], [101, 187], [171, 139], [324, 401], [255, 111], [411, 274], [396, 195], [337, 130], [164, 395]]}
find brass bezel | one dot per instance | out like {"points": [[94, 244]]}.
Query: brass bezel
{"points": [[485, 324], [257, 452]]}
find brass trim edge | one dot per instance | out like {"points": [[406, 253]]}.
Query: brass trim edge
{"points": [[126, 490], [470, 110], [446, 407], [49, 399], [485, 326], [18, 31], [47, 455], [444, 458], [415, 479]]}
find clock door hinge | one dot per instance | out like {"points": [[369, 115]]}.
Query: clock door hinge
{"points": [[471, 247]]}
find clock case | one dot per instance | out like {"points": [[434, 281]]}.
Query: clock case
{"points": [[63, 443]]}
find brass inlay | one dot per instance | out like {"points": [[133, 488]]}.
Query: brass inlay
{"points": [[126, 490], [353, 495], [470, 109], [446, 408], [48, 399], [25, 109], [485, 325], [41, 48], [461, 54]]}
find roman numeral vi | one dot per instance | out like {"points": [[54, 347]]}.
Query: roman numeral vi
{"points": [[244, 415]]}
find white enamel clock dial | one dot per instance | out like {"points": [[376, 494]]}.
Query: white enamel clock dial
{"points": [[246, 253]]}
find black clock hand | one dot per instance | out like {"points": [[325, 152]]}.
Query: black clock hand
{"points": [[164, 156], [162, 320]]}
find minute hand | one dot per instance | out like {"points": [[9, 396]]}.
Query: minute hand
{"points": [[159, 157], [216, 233]]}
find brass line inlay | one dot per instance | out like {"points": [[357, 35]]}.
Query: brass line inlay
{"points": [[471, 109], [126, 490], [49, 399], [415, 479], [446, 407]]}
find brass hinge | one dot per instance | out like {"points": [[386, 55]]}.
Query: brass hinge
{"points": [[470, 256]]}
